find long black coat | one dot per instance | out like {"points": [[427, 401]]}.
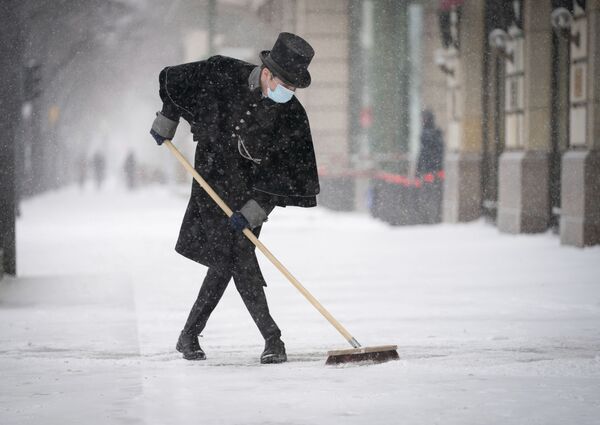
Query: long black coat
{"points": [[231, 124]]}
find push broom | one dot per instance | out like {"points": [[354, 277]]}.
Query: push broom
{"points": [[357, 353]]}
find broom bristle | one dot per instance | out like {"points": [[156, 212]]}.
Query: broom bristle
{"points": [[364, 354]]}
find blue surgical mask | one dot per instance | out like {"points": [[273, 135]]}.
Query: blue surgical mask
{"points": [[280, 94]]}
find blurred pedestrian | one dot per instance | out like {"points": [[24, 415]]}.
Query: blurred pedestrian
{"points": [[99, 165], [82, 165], [429, 164], [255, 148], [431, 153], [130, 168]]}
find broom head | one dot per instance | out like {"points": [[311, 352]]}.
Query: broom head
{"points": [[380, 354]]}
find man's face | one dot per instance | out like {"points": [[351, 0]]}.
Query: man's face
{"points": [[272, 81]]}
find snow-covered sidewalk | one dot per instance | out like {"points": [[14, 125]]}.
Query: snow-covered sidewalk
{"points": [[491, 328]]}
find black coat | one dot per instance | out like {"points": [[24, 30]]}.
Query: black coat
{"points": [[231, 124]]}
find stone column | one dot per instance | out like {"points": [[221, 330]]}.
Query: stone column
{"points": [[325, 25], [462, 187], [523, 192], [580, 185]]}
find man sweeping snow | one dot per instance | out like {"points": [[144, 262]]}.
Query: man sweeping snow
{"points": [[254, 147]]}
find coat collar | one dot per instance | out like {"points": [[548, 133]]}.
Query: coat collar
{"points": [[254, 79]]}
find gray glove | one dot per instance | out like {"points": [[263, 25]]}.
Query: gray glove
{"points": [[163, 128], [253, 213]]}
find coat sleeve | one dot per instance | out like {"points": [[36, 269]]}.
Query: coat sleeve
{"points": [[266, 201], [289, 173], [182, 88]]}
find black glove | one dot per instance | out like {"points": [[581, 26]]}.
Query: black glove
{"points": [[238, 222], [163, 128], [159, 139]]}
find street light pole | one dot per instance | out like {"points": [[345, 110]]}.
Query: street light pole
{"points": [[10, 108]]}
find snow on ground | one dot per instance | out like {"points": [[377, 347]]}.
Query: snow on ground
{"points": [[491, 328]]}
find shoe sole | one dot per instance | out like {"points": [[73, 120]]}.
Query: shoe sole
{"points": [[193, 356], [274, 359]]}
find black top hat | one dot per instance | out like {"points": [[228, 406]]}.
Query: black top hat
{"points": [[289, 59]]}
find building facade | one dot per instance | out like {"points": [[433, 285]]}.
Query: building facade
{"points": [[511, 82], [539, 141]]}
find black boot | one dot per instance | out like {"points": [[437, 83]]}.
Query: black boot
{"points": [[190, 348], [274, 351]]}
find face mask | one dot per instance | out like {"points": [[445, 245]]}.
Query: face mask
{"points": [[280, 94]]}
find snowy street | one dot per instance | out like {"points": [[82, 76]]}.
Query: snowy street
{"points": [[491, 328]]}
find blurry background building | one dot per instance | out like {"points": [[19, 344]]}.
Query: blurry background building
{"points": [[513, 86], [511, 81]]}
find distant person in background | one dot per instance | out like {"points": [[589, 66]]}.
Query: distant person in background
{"points": [[431, 154], [429, 164], [99, 164], [130, 168], [81, 170]]}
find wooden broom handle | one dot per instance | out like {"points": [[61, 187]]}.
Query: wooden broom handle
{"points": [[262, 247]]}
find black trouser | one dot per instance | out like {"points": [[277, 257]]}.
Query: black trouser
{"points": [[212, 290]]}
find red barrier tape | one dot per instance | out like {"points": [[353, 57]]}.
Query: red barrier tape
{"points": [[391, 178], [407, 181]]}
